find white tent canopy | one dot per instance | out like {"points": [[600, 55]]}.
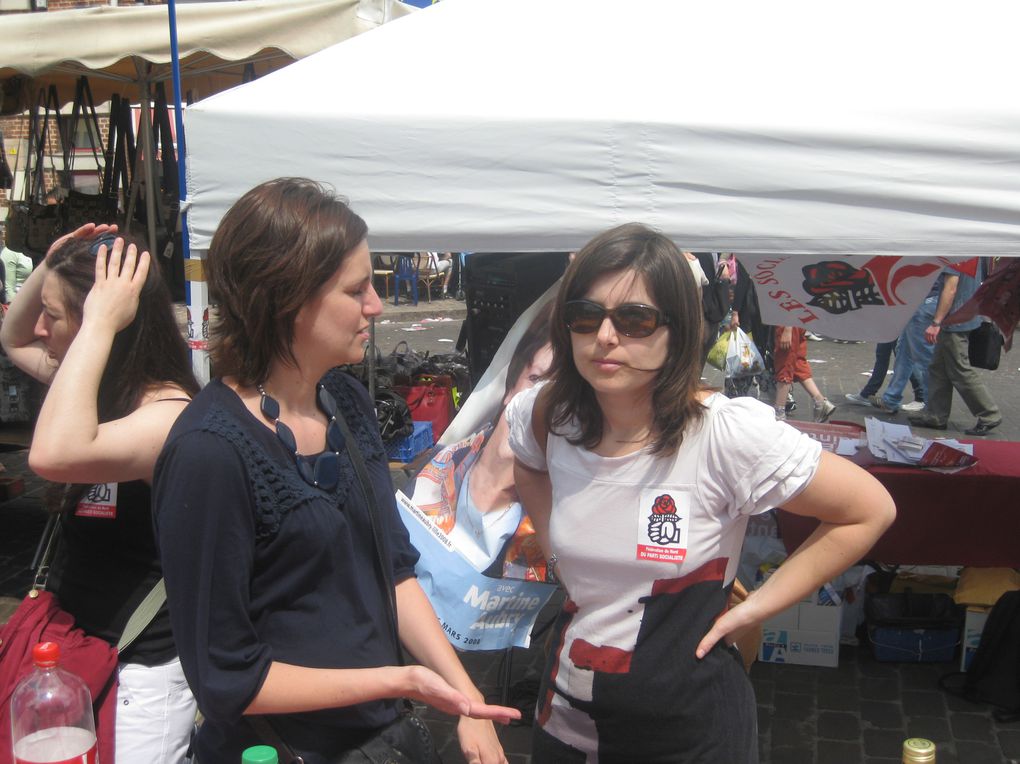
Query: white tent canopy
{"points": [[499, 125], [111, 43]]}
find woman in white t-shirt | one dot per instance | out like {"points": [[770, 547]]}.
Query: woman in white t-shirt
{"points": [[641, 483]]}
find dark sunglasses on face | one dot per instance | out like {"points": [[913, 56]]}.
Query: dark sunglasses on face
{"points": [[631, 320]]}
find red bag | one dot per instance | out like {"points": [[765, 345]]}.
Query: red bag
{"points": [[430, 403], [40, 619]]}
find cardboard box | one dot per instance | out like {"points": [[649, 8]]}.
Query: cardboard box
{"points": [[973, 625], [806, 634]]}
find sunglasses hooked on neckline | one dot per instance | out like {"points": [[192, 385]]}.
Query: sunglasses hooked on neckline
{"points": [[631, 319]]}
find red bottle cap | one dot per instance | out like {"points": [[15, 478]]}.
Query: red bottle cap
{"points": [[46, 654]]}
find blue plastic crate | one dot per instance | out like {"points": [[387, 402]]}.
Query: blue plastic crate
{"points": [[409, 447], [913, 645]]}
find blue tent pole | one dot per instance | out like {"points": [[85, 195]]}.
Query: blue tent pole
{"points": [[179, 121]]}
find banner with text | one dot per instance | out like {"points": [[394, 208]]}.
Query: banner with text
{"points": [[476, 612]]}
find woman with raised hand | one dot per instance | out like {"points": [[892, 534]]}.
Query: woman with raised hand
{"points": [[640, 483], [279, 585], [96, 323]]}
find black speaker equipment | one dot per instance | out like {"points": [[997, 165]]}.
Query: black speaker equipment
{"points": [[499, 287]]}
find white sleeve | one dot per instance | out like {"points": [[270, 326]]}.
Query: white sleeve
{"points": [[756, 462], [522, 438]]}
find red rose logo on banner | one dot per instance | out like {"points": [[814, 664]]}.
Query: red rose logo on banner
{"points": [[838, 287]]}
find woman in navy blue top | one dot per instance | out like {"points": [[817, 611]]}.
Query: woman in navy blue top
{"points": [[268, 551]]}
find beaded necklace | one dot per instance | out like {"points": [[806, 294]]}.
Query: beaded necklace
{"points": [[324, 472]]}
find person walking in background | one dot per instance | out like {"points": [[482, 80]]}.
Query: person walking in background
{"points": [[868, 396], [950, 367], [717, 276], [913, 357], [791, 365], [642, 483]]}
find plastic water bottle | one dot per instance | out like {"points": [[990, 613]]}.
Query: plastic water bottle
{"points": [[51, 714], [260, 754]]}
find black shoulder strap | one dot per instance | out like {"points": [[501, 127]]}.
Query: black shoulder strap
{"points": [[260, 724], [381, 558]]}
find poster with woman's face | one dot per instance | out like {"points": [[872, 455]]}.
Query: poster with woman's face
{"points": [[481, 565]]}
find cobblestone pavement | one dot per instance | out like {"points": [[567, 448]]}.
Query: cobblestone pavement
{"points": [[860, 711]]}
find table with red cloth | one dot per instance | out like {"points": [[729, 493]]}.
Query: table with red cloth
{"points": [[971, 517]]}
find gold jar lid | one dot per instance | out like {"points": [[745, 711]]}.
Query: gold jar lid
{"points": [[917, 750]]}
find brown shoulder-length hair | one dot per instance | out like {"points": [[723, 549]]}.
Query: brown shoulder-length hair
{"points": [[273, 250], [670, 281], [148, 352]]}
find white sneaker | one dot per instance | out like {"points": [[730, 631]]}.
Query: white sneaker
{"points": [[857, 399], [812, 336], [913, 406], [780, 415], [823, 410]]}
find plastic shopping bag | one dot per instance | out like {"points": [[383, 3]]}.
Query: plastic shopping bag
{"points": [[742, 356], [717, 355]]}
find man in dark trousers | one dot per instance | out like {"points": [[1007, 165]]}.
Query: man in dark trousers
{"points": [[950, 366]]}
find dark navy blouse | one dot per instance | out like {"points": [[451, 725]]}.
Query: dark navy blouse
{"points": [[260, 567]]}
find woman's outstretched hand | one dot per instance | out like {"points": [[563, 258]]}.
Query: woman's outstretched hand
{"points": [[427, 686], [120, 276]]}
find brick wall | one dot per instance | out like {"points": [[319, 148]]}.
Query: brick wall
{"points": [[15, 132]]}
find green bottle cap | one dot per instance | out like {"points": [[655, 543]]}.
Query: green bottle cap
{"points": [[260, 754]]}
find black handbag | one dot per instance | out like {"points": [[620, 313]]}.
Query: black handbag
{"points": [[984, 346], [715, 297], [407, 739], [403, 363], [81, 207], [393, 414], [37, 225], [6, 175]]}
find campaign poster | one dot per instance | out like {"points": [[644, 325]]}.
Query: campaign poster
{"points": [[481, 565], [476, 611]]}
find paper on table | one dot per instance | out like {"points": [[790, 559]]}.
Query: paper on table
{"points": [[896, 443], [892, 442], [847, 446]]}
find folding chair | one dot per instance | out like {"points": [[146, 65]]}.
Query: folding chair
{"points": [[428, 271], [405, 270], [379, 268]]}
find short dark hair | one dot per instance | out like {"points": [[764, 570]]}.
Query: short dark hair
{"points": [[149, 351], [273, 250], [637, 248]]}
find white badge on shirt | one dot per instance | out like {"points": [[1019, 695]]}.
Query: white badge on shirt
{"points": [[99, 501], [663, 519]]}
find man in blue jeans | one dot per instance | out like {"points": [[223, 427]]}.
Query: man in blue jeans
{"points": [[868, 396], [913, 356]]}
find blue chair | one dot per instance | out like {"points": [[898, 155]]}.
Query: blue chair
{"points": [[405, 270]]}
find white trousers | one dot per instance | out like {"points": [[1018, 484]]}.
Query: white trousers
{"points": [[155, 714]]}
